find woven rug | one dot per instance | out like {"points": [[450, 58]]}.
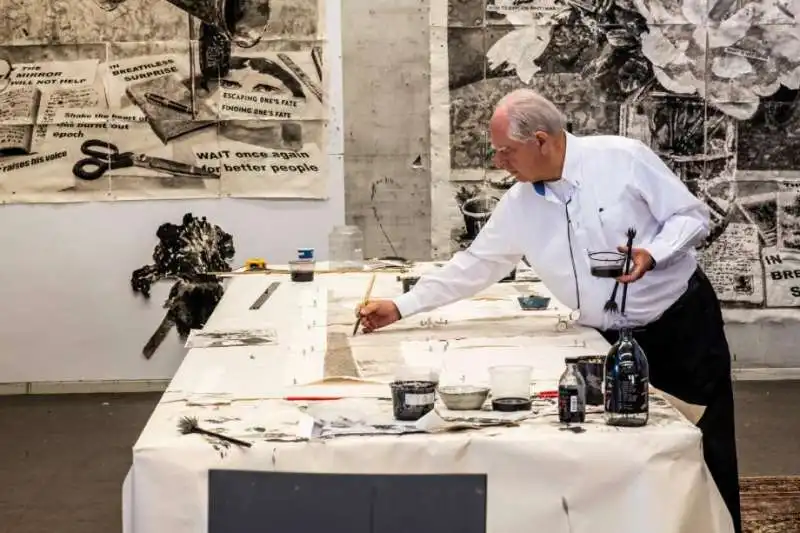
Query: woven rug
{"points": [[770, 504]]}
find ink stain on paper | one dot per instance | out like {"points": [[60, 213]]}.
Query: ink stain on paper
{"points": [[565, 507], [223, 339], [186, 253], [221, 420], [220, 446]]}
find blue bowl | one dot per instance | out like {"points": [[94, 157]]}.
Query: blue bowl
{"points": [[533, 302]]}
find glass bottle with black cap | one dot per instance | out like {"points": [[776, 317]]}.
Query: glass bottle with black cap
{"points": [[571, 394]]}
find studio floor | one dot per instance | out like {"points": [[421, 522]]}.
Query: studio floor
{"points": [[63, 458]]}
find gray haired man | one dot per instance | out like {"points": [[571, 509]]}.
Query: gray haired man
{"points": [[575, 194]]}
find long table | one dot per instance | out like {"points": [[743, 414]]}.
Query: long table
{"points": [[254, 374]]}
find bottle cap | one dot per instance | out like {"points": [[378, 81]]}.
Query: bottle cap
{"points": [[305, 253]]}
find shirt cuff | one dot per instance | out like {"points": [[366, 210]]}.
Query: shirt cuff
{"points": [[660, 253], [407, 304]]}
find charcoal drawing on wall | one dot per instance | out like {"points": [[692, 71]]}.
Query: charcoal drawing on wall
{"points": [[714, 93], [105, 100], [186, 254]]}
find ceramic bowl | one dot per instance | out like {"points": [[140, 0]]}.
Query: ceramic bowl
{"points": [[463, 397]]}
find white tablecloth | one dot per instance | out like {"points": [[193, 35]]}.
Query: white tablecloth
{"points": [[651, 479]]}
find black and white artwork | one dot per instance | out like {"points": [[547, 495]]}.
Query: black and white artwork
{"points": [[108, 100], [712, 89], [205, 338], [187, 254]]}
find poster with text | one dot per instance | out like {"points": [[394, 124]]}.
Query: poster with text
{"points": [[782, 261], [718, 104], [263, 159], [271, 136], [110, 99]]}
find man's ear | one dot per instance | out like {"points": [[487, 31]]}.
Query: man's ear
{"points": [[543, 140]]}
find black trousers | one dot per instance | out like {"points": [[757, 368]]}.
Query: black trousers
{"points": [[689, 358]]}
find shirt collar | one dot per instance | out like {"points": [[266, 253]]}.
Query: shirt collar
{"points": [[570, 172]]}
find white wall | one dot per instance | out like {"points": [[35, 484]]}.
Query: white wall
{"points": [[67, 312]]}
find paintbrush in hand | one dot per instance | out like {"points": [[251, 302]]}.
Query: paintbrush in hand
{"points": [[631, 236], [189, 424], [364, 302], [611, 304]]}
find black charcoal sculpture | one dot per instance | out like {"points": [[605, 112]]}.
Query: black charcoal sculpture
{"points": [[186, 253]]}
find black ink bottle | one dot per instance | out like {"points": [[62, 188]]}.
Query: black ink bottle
{"points": [[571, 394], [627, 383]]}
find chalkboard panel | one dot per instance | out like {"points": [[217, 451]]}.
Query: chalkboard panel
{"points": [[285, 502]]}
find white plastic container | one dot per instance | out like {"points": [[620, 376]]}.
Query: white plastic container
{"points": [[346, 248], [510, 381]]}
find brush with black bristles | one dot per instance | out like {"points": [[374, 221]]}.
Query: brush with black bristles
{"points": [[631, 235], [611, 304], [189, 424]]}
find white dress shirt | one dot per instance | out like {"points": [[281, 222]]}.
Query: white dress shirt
{"points": [[609, 183]]}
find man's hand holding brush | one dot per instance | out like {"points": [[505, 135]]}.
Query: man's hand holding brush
{"points": [[376, 314], [642, 263]]}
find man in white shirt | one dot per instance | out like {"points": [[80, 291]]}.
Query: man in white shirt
{"points": [[575, 195]]}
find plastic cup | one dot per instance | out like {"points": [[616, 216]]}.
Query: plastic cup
{"points": [[510, 381], [511, 387], [606, 264]]}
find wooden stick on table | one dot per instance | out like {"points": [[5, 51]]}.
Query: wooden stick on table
{"points": [[364, 302]]}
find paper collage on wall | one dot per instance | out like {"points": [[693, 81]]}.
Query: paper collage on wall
{"points": [[711, 87], [148, 99]]}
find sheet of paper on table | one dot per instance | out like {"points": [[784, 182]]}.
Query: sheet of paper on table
{"points": [[223, 338], [497, 303], [299, 393], [290, 309], [468, 360]]}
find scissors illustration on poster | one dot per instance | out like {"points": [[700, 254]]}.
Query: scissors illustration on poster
{"points": [[104, 156]]}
